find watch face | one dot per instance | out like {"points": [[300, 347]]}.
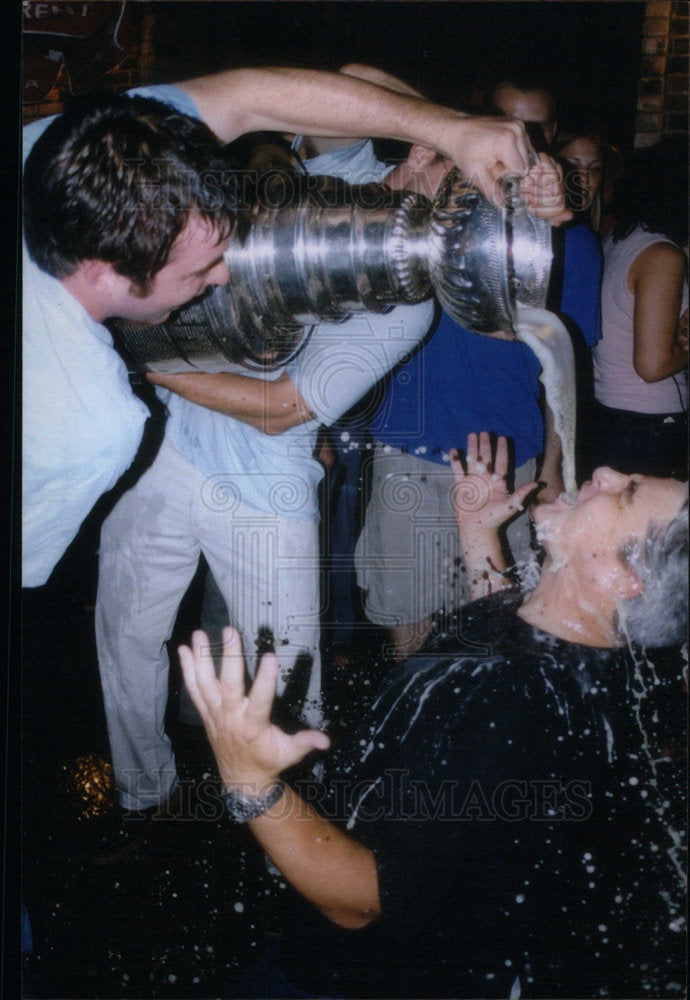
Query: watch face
{"points": [[243, 808]]}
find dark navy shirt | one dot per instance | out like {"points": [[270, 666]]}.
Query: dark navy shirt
{"points": [[521, 800]]}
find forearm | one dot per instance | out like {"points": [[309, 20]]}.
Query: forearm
{"points": [[485, 563], [329, 868], [661, 366], [656, 278], [313, 102], [271, 407]]}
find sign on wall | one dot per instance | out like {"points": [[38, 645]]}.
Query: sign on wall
{"points": [[82, 37]]}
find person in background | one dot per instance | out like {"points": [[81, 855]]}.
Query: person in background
{"points": [[577, 261], [504, 823], [640, 365], [582, 150], [409, 554], [408, 557], [527, 97], [594, 169], [533, 102]]}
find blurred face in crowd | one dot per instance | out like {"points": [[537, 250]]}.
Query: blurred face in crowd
{"points": [[529, 106], [585, 158]]}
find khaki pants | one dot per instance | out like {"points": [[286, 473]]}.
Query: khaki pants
{"points": [[408, 556], [267, 570]]}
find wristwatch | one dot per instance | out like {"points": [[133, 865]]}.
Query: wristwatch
{"points": [[243, 807]]}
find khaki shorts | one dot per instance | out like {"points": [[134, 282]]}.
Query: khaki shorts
{"points": [[408, 556]]}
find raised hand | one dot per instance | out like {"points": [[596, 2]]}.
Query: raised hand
{"points": [[250, 751], [481, 499], [482, 504]]}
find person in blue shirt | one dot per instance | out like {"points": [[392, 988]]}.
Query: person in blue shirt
{"points": [[407, 556]]}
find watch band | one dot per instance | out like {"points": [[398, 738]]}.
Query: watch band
{"points": [[242, 808]]}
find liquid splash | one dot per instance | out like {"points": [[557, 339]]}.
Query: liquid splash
{"points": [[546, 336], [639, 687]]}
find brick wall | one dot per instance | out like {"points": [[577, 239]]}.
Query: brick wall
{"points": [[662, 103]]}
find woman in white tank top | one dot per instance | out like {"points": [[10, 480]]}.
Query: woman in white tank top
{"points": [[640, 365]]}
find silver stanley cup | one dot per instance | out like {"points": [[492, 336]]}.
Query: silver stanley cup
{"points": [[312, 250]]}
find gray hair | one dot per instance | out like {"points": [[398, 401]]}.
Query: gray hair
{"points": [[659, 615]]}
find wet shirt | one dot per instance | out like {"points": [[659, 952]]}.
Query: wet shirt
{"points": [[525, 819]]}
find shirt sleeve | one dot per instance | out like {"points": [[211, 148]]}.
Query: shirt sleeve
{"points": [[168, 94], [342, 361]]}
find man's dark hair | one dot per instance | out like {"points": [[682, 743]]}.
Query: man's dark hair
{"points": [[525, 79], [115, 178]]}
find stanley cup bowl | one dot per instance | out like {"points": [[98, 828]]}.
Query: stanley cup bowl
{"points": [[326, 253], [484, 260]]}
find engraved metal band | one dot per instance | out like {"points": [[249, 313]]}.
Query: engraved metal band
{"points": [[243, 808]]}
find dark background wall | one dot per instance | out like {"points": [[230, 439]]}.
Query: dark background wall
{"points": [[449, 50], [446, 49]]}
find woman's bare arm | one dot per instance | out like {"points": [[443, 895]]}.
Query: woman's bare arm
{"points": [[656, 279]]}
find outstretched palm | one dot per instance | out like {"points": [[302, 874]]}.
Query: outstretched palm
{"points": [[481, 499], [250, 750]]}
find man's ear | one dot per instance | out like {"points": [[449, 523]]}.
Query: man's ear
{"points": [[624, 583], [96, 272], [101, 275], [421, 157]]}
